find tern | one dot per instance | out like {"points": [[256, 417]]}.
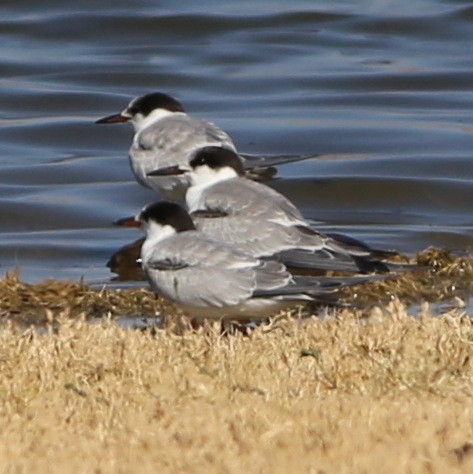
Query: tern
{"points": [[260, 221], [211, 279], [166, 135]]}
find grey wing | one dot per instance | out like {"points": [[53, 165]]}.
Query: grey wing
{"points": [[231, 286], [281, 207], [323, 284], [198, 288], [271, 276], [239, 231], [339, 253], [251, 218], [321, 259], [253, 199], [263, 222], [175, 138], [171, 141], [306, 287], [204, 272], [215, 135], [261, 239]]}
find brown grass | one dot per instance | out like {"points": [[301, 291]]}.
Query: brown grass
{"points": [[391, 394], [363, 391]]}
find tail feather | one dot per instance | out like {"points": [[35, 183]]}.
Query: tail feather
{"points": [[255, 161]]}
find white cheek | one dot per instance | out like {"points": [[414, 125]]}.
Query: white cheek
{"points": [[200, 175], [155, 233], [204, 174], [137, 121]]}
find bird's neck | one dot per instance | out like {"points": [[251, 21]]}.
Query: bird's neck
{"points": [[153, 238], [140, 122]]}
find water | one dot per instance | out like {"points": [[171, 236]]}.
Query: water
{"points": [[382, 90]]}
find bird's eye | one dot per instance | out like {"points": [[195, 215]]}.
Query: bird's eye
{"points": [[198, 161]]}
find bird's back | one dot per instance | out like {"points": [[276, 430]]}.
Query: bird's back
{"points": [[172, 141]]}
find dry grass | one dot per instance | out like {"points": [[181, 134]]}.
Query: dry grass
{"points": [[364, 391], [391, 394]]}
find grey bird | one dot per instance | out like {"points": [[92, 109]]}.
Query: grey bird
{"points": [[262, 222], [211, 279], [166, 135]]}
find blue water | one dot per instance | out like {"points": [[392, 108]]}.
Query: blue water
{"points": [[382, 91]]}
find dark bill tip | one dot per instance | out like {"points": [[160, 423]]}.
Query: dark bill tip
{"points": [[115, 118], [127, 222], [166, 171]]}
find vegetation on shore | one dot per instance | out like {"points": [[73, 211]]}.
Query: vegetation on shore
{"points": [[371, 389], [446, 278]]}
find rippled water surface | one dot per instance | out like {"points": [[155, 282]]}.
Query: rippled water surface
{"points": [[381, 90]]}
